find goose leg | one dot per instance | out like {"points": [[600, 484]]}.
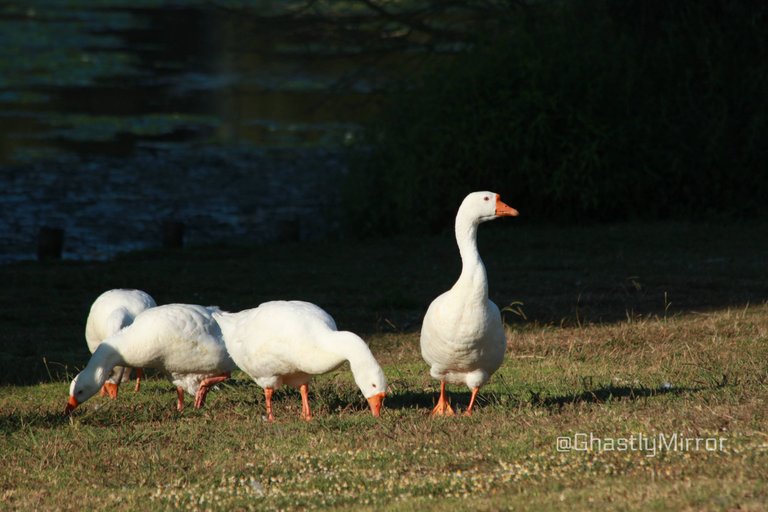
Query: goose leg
{"points": [[305, 412], [443, 408], [268, 397], [180, 398], [139, 376], [468, 412], [205, 386], [109, 388]]}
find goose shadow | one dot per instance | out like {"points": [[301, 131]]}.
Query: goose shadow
{"points": [[343, 403], [598, 395], [427, 400], [608, 393], [11, 423], [411, 400]]}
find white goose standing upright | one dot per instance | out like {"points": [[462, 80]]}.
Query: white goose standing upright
{"points": [[109, 313], [182, 340], [462, 336], [287, 342]]}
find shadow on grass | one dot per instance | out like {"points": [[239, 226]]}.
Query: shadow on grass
{"points": [[10, 423], [607, 394], [459, 400], [411, 400], [354, 402], [334, 402], [427, 399]]}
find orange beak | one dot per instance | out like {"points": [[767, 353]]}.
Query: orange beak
{"points": [[504, 210], [375, 403], [71, 404]]}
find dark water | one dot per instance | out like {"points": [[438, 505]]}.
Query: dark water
{"points": [[115, 116]]}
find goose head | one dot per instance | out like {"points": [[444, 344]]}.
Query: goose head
{"points": [[372, 382], [485, 206], [83, 387]]}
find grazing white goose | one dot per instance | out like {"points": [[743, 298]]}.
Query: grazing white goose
{"points": [[110, 312], [181, 339], [462, 337], [287, 342]]}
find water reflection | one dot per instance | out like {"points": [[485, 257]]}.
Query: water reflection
{"points": [[69, 75], [116, 117]]}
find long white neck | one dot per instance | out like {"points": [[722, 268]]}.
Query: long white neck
{"points": [[348, 347], [473, 282], [365, 369], [100, 366]]}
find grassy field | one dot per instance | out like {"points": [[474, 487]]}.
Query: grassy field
{"points": [[614, 331]]}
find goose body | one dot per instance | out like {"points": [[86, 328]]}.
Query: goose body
{"points": [[287, 342], [463, 344], [182, 340], [110, 312], [462, 336]]}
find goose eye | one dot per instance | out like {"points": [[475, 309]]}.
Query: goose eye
{"points": [[485, 198], [374, 385]]}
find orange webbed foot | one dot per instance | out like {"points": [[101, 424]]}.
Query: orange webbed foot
{"points": [[443, 407]]}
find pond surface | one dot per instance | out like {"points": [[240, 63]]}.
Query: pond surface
{"points": [[116, 116]]}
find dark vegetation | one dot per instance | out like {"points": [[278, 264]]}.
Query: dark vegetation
{"points": [[587, 110]]}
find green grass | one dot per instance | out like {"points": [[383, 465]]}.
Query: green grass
{"points": [[628, 329]]}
